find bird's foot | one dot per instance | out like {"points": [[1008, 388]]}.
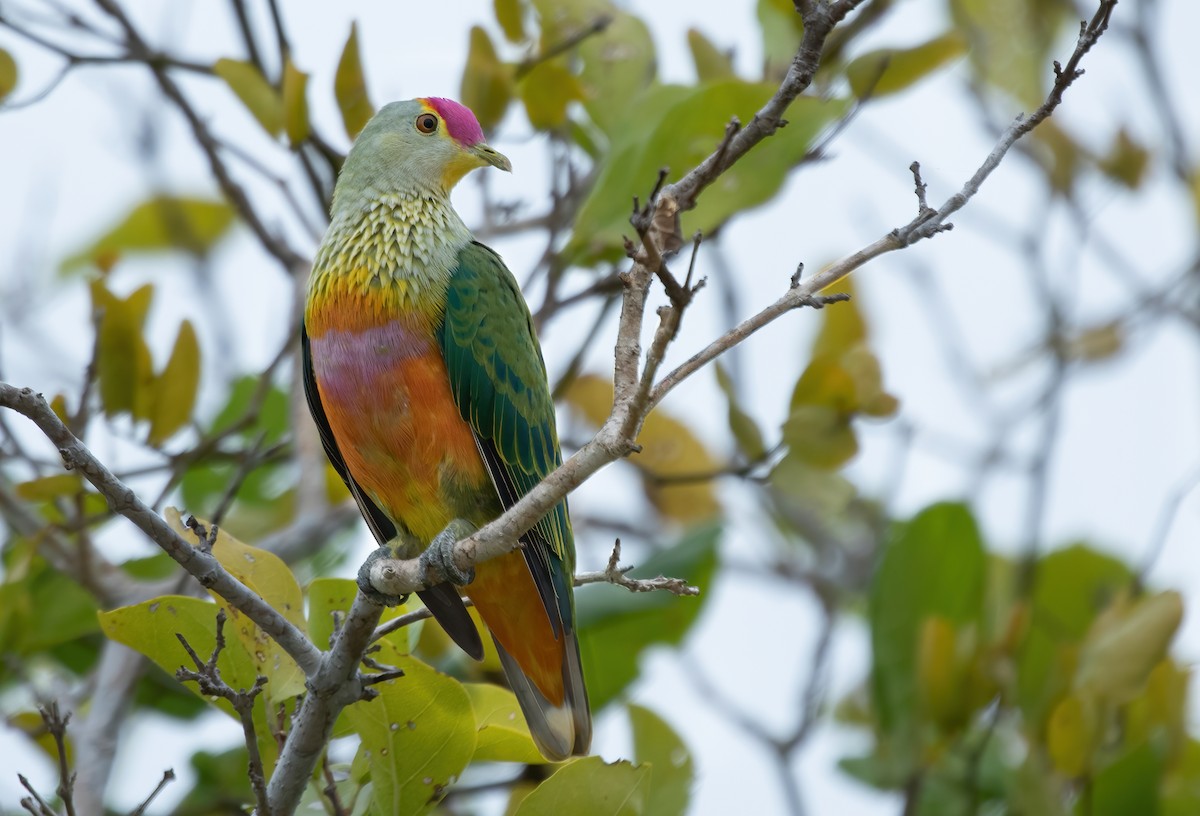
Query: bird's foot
{"points": [[375, 565], [440, 552]]}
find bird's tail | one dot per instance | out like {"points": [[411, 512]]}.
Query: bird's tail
{"points": [[558, 730]]}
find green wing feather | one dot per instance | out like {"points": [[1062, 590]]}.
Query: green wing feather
{"points": [[498, 380]]}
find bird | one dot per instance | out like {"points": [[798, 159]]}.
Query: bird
{"points": [[426, 381]]}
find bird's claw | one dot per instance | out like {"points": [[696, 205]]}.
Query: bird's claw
{"points": [[365, 585], [440, 553]]}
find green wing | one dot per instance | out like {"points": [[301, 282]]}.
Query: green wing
{"points": [[498, 380]]}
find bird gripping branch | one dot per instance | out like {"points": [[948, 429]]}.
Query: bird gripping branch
{"points": [[426, 381]]}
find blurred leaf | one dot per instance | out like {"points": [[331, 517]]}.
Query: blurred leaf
{"points": [[417, 736], [1161, 709], [1125, 643], [932, 566], [745, 430], [40, 608], [175, 388], [615, 627], [350, 87], [940, 688], [1181, 787], [1071, 735], [1070, 586], [1094, 343], [820, 436], [547, 90], [510, 14], [677, 127], [888, 70], [1060, 154], [1126, 161], [267, 575], [271, 420], [50, 487], [618, 64], [295, 104], [222, 785], [58, 404], [1010, 42], [802, 491], [256, 93], [711, 62], [782, 30], [162, 222], [487, 83], [503, 733], [327, 596], [8, 74], [670, 450], [656, 744], [591, 787], [1129, 785], [123, 366]]}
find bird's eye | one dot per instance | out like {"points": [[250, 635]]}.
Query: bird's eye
{"points": [[427, 123]]}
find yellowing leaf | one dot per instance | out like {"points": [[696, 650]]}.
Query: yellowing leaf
{"points": [[1071, 736], [350, 87], [1095, 343], [711, 62], [417, 736], [591, 787], [266, 574], [1124, 644], [547, 90], [1126, 161], [262, 100], [820, 436], [1161, 708], [510, 14], [160, 223], [673, 461], [8, 74], [487, 83], [939, 676], [123, 365], [176, 387], [889, 70], [503, 733], [295, 104], [50, 487]]}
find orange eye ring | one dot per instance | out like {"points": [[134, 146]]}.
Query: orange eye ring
{"points": [[427, 123]]}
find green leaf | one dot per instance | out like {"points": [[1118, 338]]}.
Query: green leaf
{"points": [[676, 127], [295, 104], [745, 430], [1129, 785], [350, 87], [591, 787], [503, 733], [123, 365], [782, 29], [1126, 161], [510, 14], [267, 575], [820, 435], [487, 83], [888, 70], [1010, 42], [8, 74], [40, 609], [546, 91], [329, 596], [151, 627], [932, 566], [1072, 735], [161, 223], [1070, 587], [711, 62], [615, 627], [656, 743], [618, 64], [175, 388], [256, 93], [417, 736]]}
